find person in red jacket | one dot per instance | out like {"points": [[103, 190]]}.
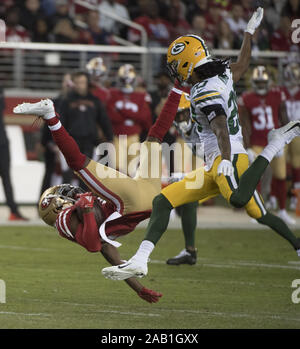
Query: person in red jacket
{"points": [[130, 114], [261, 110], [98, 72]]}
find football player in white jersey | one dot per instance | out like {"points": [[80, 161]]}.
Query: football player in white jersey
{"points": [[214, 108]]}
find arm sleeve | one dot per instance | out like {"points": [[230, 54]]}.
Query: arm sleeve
{"points": [[88, 235]]}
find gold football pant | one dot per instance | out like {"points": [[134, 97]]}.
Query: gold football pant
{"points": [[126, 193], [202, 185]]}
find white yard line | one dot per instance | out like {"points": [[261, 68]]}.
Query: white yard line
{"points": [[25, 314], [237, 265], [21, 248]]}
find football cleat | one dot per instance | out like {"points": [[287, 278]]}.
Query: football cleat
{"points": [[17, 217], [285, 134], [132, 268], [184, 257], [43, 108], [286, 218]]}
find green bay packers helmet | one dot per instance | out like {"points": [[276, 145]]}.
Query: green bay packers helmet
{"points": [[183, 121], [55, 199], [185, 54], [260, 80]]}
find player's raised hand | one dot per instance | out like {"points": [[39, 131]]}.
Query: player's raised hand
{"points": [[85, 200], [255, 20], [226, 168], [149, 295]]}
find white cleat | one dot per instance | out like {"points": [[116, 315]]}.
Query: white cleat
{"points": [[286, 133], [132, 268], [286, 217], [44, 108]]}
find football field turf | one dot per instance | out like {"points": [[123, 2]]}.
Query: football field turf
{"points": [[242, 279]]}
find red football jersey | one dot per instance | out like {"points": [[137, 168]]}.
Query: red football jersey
{"points": [[129, 112], [292, 104], [263, 112], [101, 93]]}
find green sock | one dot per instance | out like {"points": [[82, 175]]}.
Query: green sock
{"points": [[248, 182], [159, 220], [278, 225], [189, 222]]}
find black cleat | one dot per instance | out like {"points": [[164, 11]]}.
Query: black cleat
{"points": [[184, 257]]}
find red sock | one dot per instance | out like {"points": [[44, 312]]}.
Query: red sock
{"points": [[166, 116], [296, 178], [66, 144], [281, 193]]}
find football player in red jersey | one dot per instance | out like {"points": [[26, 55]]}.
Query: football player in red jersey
{"points": [[98, 72], [130, 114], [118, 202], [292, 91], [261, 110]]}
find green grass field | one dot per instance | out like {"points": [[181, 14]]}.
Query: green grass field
{"points": [[242, 280]]}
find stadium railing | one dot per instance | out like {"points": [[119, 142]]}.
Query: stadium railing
{"points": [[40, 66]]}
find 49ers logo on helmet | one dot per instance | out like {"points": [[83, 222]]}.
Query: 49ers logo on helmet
{"points": [[45, 203], [178, 48]]}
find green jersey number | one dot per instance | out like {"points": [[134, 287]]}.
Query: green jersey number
{"points": [[233, 120]]}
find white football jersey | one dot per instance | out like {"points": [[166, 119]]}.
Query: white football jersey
{"points": [[210, 98]]}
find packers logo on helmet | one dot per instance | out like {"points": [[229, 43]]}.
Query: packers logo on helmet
{"points": [[185, 54]]}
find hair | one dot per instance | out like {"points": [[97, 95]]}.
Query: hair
{"points": [[211, 69]]}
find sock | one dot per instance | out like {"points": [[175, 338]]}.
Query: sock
{"points": [[166, 116], [66, 144], [248, 182], [278, 225], [296, 178], [159, 220], [281, 192], [144, 251], [189, 223], [271, 150]]}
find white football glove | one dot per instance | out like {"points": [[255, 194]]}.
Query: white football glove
{"points": [[255, 21], [225, 167]]}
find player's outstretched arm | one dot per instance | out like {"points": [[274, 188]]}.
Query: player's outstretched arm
{"points": [[239, 68], [112, 255]]}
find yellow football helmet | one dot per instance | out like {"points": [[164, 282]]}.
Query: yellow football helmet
{"points": [[185, 54], [55, 199], [260, 80]]}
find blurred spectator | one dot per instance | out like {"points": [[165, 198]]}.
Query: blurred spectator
{"points": [[14, 31], [5, 167], [61, 12], [51, 151], [213, 18], [66, 32], [224, 39], [85, 118], [247, 8], [48, 7], [281, 38], [42, 32], [197, 7], [156, 27], [272, 13], [199, 28], [178, 25], [292, 9], [109, 24], [4, 6], [99, 36], [237, 24], [30, 13]]}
